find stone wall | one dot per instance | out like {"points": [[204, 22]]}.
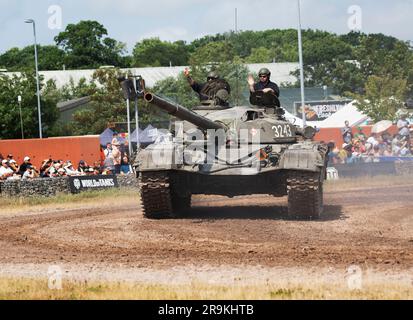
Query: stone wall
{"points": [[48, 187]]}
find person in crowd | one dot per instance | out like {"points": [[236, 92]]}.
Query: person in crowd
{"points": [[24, 165], [61, 172], [5, 170], [403, 125], [13, 165], [108, 150], [360, 135], [388, 151], [372, 140], [107, 171], [96, 171], [47, 164], [343, 154], [70, 169], [125, 168], [347, 133], [30, 173], [82, 167]]}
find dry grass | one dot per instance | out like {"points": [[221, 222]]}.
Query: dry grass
{"points": [[17, 289], [102, 198]]}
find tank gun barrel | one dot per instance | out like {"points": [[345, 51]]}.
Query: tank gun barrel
{"points": [[182, 113]]}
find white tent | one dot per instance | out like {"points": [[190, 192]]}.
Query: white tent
{"points": [[349, 113]]}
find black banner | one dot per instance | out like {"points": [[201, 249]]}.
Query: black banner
{"points": [[82, 183], [319, 110]]}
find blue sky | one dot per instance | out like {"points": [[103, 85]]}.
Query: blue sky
{"points": [[130, 21]]}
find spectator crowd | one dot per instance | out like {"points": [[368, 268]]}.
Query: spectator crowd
{"points": [[376, 147], [116, 162]]}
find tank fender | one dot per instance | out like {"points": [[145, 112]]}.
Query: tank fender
{"points": [[156, 157], [302, 156]]}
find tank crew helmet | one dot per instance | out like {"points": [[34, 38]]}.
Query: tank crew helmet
{"points": [[212, 75], [264, 72]]}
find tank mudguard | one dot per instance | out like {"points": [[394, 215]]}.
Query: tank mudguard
{"points": [[156, 158], [303, 156]]}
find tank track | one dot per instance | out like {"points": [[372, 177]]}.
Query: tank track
{"points": [[155, 195], [157, 198], [305, 195]]}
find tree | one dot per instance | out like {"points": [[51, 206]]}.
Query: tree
{"points": [[15, 59], [86, 46], [156, 53], [259, 55], [213, 53], [383, 97], [25, 86]]}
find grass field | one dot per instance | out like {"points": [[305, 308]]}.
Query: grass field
{"points": [[18, 289]]}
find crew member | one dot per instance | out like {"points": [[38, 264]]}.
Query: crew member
{"points": [[215, 89], [264, 84]]}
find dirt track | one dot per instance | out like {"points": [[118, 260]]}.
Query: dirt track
{"points": [[370, 227]]}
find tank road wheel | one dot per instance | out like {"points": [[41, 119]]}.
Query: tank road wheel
{"points": [[305, 195], [155, 195]]}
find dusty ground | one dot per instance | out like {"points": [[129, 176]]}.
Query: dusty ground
{"points": [[223, 240]]}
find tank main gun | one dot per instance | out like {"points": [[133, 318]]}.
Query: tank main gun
{"points": [[182, 113]]}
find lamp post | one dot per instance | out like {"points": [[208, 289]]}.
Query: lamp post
{"points": [[19, 100], [37, 76], [300, 53]]}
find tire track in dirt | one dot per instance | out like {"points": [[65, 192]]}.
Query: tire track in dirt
{"points": [[369, 227]]}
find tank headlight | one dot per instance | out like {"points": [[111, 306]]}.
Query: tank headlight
{"points": [[309, 132]]}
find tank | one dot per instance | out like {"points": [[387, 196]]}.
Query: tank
{"points": [[242, 150]]}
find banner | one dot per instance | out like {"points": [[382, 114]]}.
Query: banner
{"points": [[82, 183], [319, 110]]}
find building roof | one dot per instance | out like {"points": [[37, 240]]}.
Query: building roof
{"points": [[280, 73]]}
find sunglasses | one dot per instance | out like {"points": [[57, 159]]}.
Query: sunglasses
{"points": [[263, 76]]}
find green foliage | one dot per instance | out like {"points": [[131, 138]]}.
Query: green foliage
{"points": [[383, 97], [156, 53], [259, 55], [25, 86], [49, 58], [213, 53], [86, 47], [177, 90], [106, 106]]}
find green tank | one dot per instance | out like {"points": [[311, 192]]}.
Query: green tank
{"points": [[235, 151]]}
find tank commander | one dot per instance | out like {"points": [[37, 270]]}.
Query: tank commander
{"points": [[214, 91], [264, 84]]}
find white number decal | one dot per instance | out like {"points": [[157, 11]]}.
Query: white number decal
{"points": [[282, 131]]}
